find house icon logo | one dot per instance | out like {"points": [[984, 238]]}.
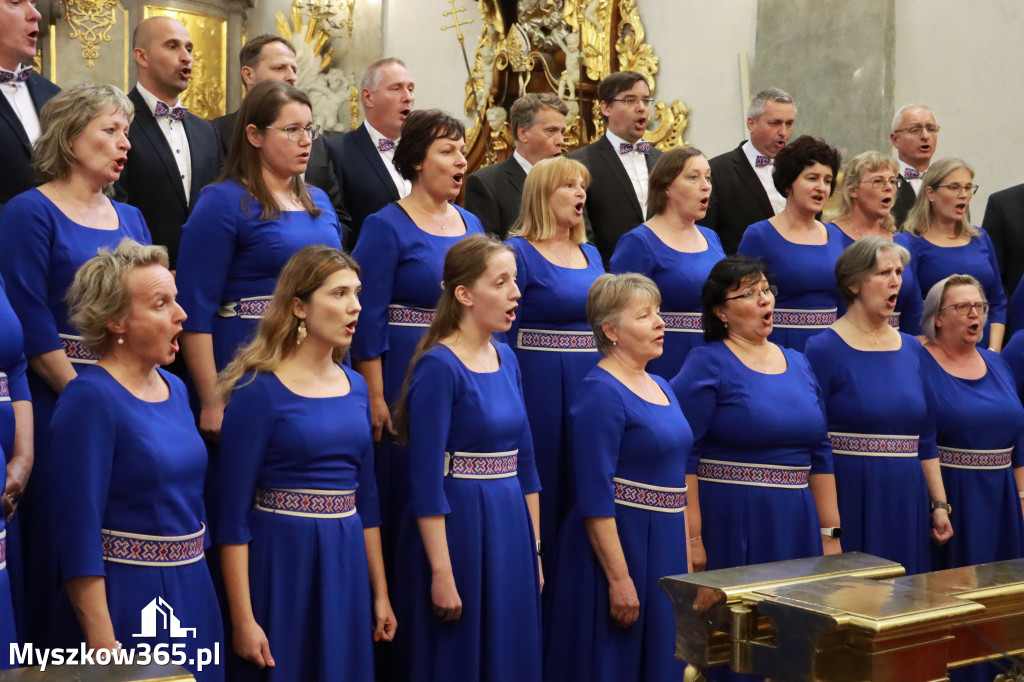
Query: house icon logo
{"points": [[159, 613]]}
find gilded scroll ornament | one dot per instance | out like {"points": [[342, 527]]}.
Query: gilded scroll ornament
{"points": [[634, 53], [91, 21]]}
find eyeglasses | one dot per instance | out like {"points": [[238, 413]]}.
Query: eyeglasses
{"points": [[633, 101], [965, 308], [879, 183], [956, 188], [295, 133], [770, 290], [917, 128]]}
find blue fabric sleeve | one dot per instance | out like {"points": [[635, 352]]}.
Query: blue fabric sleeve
{"points": [[696, 388], [377, 253], [529, 479], [1013, 355], [522, 281], [473, 224], [751, 244], [83, 440], [913, 308], [631, 255], [927, 447], [244, 439], [367, 499], [323, 202], [993, 284], [597, 422], [821, 454], [205, 255], [431, 401], [133, 223]]}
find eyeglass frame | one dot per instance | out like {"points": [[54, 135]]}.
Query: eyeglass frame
{"points": [[770, 289], [930, 127], [970, 306], [633, 101], [957, 187], [881, 182], [312, 131]]}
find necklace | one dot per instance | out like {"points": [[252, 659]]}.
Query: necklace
{"points": [[564, 262], [873, 337], [764, 369]]}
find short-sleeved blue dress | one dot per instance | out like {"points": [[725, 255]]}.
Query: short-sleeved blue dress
{"points": [[629, 456], [471, 461], [808, 299], [907, 317], [881, 429], [308, 464], [680, 276], [977, 258], [757, 439], [42, 250], [555, 348], [128, 506], [979, 432]]}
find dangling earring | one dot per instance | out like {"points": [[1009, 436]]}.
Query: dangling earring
{"points": [[300, 333], [120, 340]]}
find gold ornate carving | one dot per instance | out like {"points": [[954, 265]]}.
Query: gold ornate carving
{"points": [[672, 122], [634, 53], [91, 21], [207, 88], [594, 22]]}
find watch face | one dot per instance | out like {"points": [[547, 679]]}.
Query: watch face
{"points": [[837, 533]]}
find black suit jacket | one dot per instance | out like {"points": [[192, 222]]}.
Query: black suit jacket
{"points": [[366, 184], [905, 200], [738, 198], [494, 194], [319, 170], [150, 180], [612, 206], [1004, 222], [16, 175]]}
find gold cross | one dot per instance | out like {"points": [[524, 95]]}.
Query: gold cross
{"points": [[457, 25]]}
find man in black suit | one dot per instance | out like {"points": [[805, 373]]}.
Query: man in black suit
{"points": [[24, 94], [1004, 222], [619, 163], [744, 192], [174, 153], [495, 193], [271, 57], [364, 158], [915, 135]]}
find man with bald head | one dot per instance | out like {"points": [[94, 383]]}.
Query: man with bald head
{"points": [[174, 153], [915, 135], [24, 94]]}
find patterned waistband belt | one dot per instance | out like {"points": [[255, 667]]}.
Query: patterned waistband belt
{"points": [[77, 351], [975, 459], [3, 549], [566, 342], [873, 445], [5, 388], [652, 497], [481, 464], [682, 322], [404, 316], [894, 320], [743, 473], [329, 504], [787, 318], [251, 308], [152, 550]]}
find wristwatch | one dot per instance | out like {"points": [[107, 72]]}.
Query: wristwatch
{"points": [[942, 505], [835, 532], [540, 548]]}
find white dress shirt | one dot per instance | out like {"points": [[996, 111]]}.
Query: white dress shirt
{"points": [[21, 101], [174, 132], [915, 183], [403, 185], [635, 164], [523, 163], [764, 174]]}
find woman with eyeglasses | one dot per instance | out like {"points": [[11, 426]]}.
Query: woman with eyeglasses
{"points": [[941, 240], [883, 442], [674, 251], [761, 450], [866, 195]]}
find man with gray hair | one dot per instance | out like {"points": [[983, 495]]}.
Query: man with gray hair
{"points": [[364, 158], [744, 192], [915, 135], [494, 193]]}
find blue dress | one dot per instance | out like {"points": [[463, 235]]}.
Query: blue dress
{"points": [[133, 468], [881, 429], [455, 417], [629, 457], [753, 454], [555, 348], [308, 577], [977, 258], [1013, 355], [1015, 314], [909, 304], [680, 276], [808, 297], [228, 256], [402, 267], [42, 251]]}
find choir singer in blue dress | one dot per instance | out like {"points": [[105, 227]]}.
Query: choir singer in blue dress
{"points": [[608, 619], [469, 578], [126, 486]]}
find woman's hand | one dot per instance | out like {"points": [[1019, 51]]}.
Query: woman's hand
{"points": [[540, 573], [381, 417], [384, 623], [251, 644], [211, 416], [942, 529], [447, 602], [625, 605], [698, 557], [15, 488], [830, 545]]}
